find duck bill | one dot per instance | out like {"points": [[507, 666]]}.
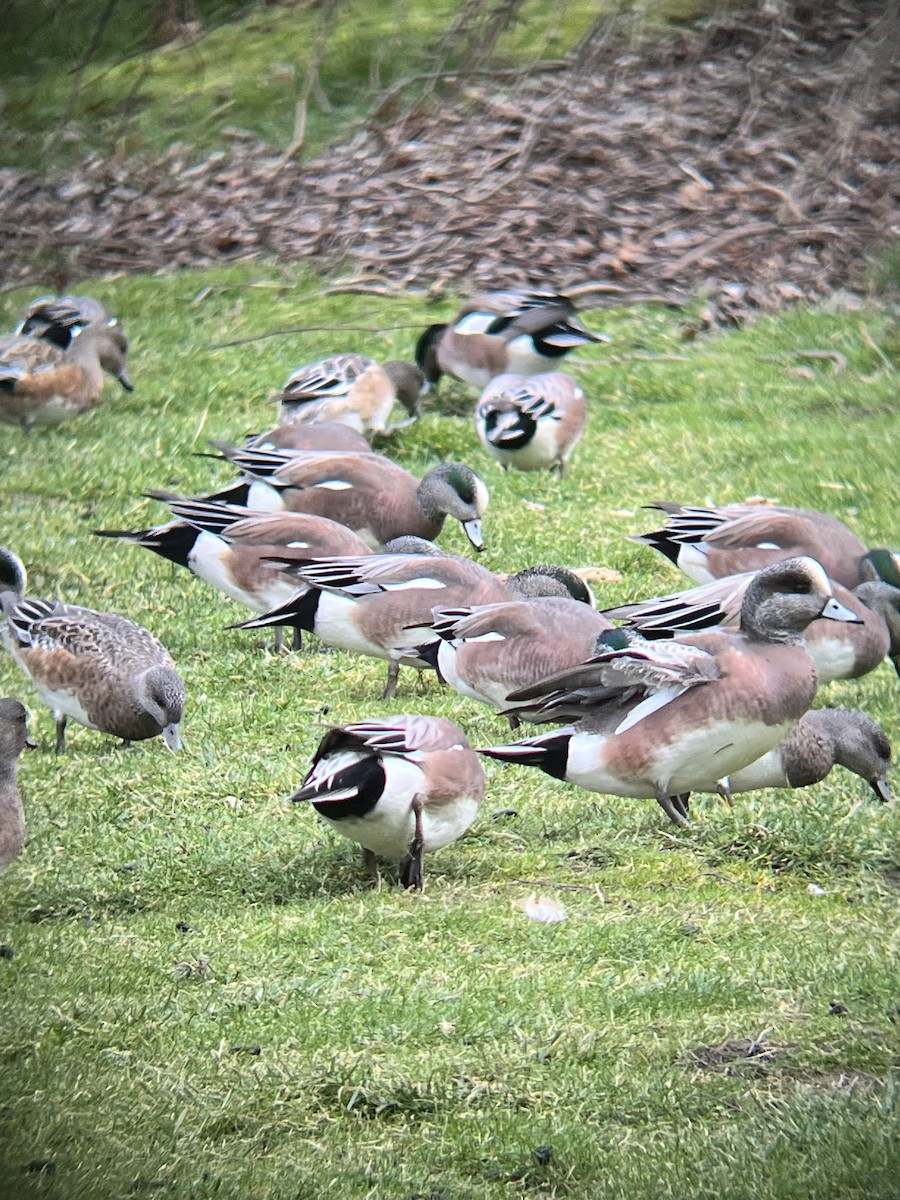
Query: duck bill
{"points": [[882, 790], [30, 745], [835, 611], [171, 735], [125, 381], [473, 533]]}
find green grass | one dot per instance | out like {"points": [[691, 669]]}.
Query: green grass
{"points": [[206, 1000], [64, 94]]}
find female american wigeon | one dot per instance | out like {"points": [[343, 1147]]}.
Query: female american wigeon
{"points": [[366, 492], [524, 333], [532, 423], [229, 547], [401, 788], [58, 319], [97, 668], [840, 651], [661, 719], [40, 384], [381, 606], [351, 389], [710, 543], [13, 740], [824, 738]]}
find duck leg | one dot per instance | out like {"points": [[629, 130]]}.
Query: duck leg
{"points": [[297, 642], [61, 733], [390, 688], [674, 807], [724, 790], [411, 875], [514, 721], [371, 864]]}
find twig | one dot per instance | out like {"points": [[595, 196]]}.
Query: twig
{"points": [[260, 337], [743, 231]]}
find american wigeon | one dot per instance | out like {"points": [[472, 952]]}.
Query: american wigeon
{"points": [[532, 423], [311, 435], [366, 492], [839, 651], [490, 650], [824, 738], [13, 740], [230, 547], [381, 606], [40, 384], [662, 719], [400, 788], [351, 389], [710, 543], [58, 319], [97, 668], [525, 333]]}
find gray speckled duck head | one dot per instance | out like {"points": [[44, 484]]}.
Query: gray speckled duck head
{"points": [[857, 743], [784, 598], [12, 572], [456, 491]]}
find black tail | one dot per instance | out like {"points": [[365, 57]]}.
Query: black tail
{"points": [[174, 542], [300, 612]]}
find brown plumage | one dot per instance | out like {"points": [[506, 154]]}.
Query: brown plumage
{"points": [[531, 423], [351, 389], [405, 787], [366, 492], [97, 668], [13, 740], [40, 384], [710, 543]]}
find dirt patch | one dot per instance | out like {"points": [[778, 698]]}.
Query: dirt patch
{"points": [[734, 1056], [757, 160]]}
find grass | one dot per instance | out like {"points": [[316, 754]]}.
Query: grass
{"points": [[68, 91], [205, 1000]]}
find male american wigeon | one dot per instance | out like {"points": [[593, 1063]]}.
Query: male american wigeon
{"points": [[661, 719], [381, 606], [40, 384], [401, 788], [366, 492], [824, 738], [490, 650], [229, 547], [60, 318], [13, 740], [351, 389], [840, 651], [710, 543], [311, 435], [531, 423], [96, 668], [525, 333]]}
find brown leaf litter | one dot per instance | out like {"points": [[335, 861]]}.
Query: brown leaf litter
{"points": [[758, 161]]}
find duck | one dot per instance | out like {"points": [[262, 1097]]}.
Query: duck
{"points": [[13, 740], [823, 739], [531, 423], [229, 547], [311, 435], [486, 651], [58, 319], [708, 543], [496, 333], [352, 390], [97, 668], [839, 651], [366, 492], [400, 788], [40, 384], [381, 605], [659, 719]]}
